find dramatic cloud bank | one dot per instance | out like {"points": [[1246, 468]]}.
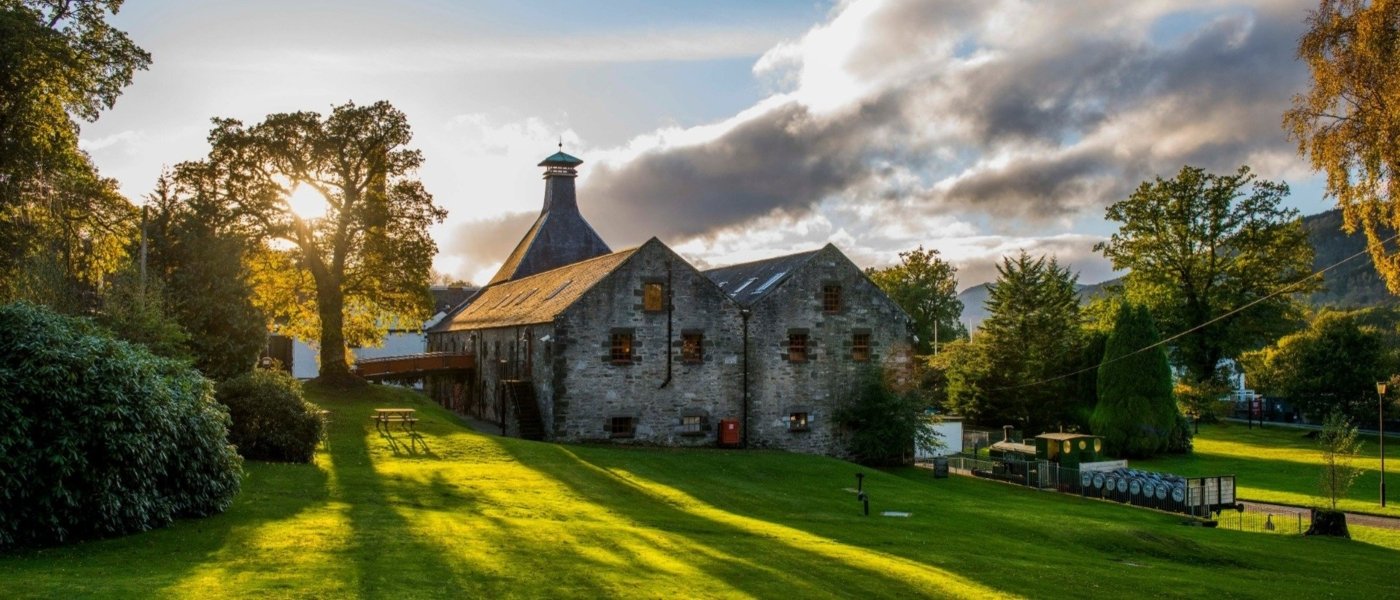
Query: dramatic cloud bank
{"points": [[974, 127]]}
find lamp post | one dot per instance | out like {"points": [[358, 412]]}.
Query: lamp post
{"points": [[1380, 430]]}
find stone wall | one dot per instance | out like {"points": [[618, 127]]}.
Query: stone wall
{"points": [[589, 388], [829, 376]]}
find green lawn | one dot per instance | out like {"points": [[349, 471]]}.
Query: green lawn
{"points": [[481, 516], [1279, 464]]}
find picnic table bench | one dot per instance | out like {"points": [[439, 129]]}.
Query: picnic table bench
{"points": [[384, 417]]}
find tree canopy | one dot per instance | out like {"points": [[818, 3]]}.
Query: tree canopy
{"points": [[1332, 366], [367, 260], [1347, 123], [1200, 245], [60, 222], [1013, 370], [926, 287]]}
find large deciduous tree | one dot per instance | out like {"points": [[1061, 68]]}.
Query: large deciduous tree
{"points": [[1013, 371], [1200, 245], [1348, 122], [368, 259], [60, 222], [1332, 366], [926, 287], [1136, 414]]}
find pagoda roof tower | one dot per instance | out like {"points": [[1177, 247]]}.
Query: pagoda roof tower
{"points": [[560, 236]]}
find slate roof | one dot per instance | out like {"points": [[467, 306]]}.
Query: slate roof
{"points": [[534, 299], [560, 235], [749, 282]]}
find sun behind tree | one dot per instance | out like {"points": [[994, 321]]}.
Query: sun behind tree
{"points": [[365, 263]]}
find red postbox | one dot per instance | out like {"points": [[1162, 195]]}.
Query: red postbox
{"points": [[729, 432]]}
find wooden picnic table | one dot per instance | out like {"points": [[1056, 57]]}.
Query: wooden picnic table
{"points": [[405, 417]]}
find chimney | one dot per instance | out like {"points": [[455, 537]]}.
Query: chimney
{"points": [[1006, 432]]}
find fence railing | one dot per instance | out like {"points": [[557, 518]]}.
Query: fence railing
{"points": [[1291, 522], [1197, 496]]}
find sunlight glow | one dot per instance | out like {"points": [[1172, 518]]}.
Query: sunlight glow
{"points": [[307, 203]]}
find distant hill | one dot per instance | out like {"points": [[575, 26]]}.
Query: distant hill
{"points": [[1352, 285]]}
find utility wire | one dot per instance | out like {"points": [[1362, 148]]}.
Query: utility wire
{"points": [[1281, 290]]}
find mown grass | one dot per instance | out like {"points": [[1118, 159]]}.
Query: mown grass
{"points": [[1281, 464], [480, 516]]}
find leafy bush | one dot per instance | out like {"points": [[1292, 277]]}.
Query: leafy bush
{"points": [[99, 437], [271, 419], [884, 424]]}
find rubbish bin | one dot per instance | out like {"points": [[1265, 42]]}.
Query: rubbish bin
{"points": [[940, 467]]}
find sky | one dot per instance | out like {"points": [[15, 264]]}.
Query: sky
{"points": [[738, 130]]}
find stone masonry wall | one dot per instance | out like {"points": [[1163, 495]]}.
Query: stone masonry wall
{"points": [[779, 387], [589, 389]]}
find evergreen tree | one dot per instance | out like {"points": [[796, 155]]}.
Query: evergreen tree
{"points": [[1014, 367], [1136, 414]]}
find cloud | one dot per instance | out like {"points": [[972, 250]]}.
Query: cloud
{"points": [[1026, 114]]}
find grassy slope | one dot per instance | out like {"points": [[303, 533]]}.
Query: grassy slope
{"points": [[483, 516], [1279, 464]]}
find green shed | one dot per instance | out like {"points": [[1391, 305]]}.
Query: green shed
{"points": [[1069, 449]]}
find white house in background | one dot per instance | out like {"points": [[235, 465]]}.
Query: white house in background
{"points": [[303, 359], [950, 434]]}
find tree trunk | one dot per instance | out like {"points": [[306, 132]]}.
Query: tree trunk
{"points": [[335, 370]]}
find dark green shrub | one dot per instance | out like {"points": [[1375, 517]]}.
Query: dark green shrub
{"points": [[883, 424], [271, 419], [99, 437], [1136, 414]]}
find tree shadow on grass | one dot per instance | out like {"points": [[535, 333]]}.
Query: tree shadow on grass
{"points": [[386, 553], [741, 554]]}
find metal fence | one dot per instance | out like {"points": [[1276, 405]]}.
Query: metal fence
{"points": [[1197, 496], [1290, 522]]}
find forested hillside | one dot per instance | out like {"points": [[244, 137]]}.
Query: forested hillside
{"points": [[1353, 284]]}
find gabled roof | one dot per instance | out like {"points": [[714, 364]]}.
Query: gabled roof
{"points": [[535, 299], [749, 282]]}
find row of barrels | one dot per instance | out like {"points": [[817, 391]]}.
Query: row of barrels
{"points": [[1134, 484]]}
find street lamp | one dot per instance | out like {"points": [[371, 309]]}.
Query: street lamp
{"points": [[1380, 429]]}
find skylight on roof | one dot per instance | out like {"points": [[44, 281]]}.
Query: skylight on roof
{"points": [[558, 289], [526, 295], [767, 284], [745, 284]]}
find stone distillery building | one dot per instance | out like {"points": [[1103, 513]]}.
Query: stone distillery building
{"points": [[576, 342]]}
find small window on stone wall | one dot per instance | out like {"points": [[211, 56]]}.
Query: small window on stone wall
{"points": [[860, 347], [621, 348], [622, 427], [693, 425], [797, 421], [653, 297], [797, 347], [831, 298], [692, 347]]}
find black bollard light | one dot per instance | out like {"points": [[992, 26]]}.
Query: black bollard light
{"points": [[864, 498], [860, 481]]}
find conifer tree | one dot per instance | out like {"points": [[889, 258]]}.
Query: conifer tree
{"points": [[1136, 414]]}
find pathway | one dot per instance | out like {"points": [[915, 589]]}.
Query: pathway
{"points": [[1352, 518]]}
